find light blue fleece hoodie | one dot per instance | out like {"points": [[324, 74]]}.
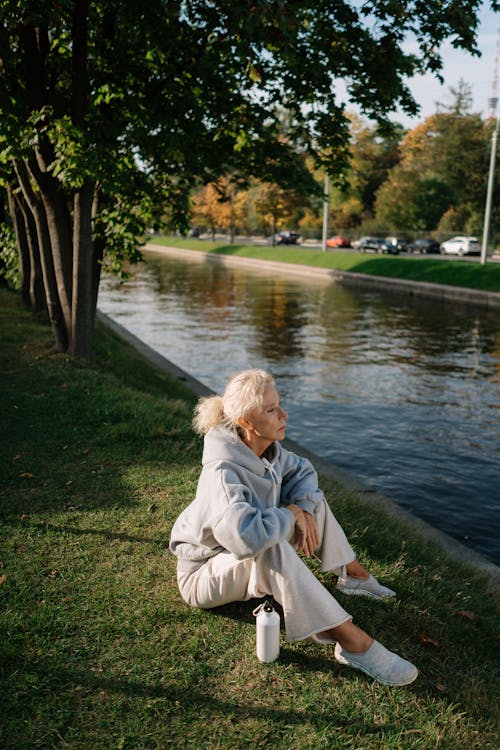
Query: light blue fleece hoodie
{"points": [[240, 503]]}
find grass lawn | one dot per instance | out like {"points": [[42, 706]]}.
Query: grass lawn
{"points": [[99, 651], [461, 272]]}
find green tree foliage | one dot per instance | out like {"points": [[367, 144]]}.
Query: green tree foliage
{"points": [[440, 180], [110, 109], [374, 152]]}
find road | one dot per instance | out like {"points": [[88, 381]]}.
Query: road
{"points": [[316, 245]]}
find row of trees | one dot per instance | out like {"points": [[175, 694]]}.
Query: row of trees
{"points": [[431, 179], [110, 111]]}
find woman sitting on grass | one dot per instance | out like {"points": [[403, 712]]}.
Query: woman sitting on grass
{"points": [[256, 505]]}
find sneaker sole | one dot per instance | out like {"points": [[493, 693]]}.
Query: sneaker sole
{"points": [[364, 592], [342, 660]]}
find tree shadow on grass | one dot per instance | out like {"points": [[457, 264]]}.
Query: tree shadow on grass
{"points": [[83, 531], [188, 698]]}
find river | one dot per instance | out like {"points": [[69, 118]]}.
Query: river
{"points": [[402, 394]]}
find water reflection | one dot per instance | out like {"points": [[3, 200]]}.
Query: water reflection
{"points": [[402, 393]]}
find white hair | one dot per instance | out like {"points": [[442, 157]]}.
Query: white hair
{"points": [[244, 392]]}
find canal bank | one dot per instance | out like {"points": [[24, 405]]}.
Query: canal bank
{"points": [[372, 498], [417, 289]]}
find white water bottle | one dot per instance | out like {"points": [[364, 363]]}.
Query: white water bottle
{"points": [[268, 632]]}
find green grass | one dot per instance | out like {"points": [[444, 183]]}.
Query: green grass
{"points": [[463, 273], [99, 651]]}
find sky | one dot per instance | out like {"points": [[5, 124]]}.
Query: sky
{"points": [[476, 71]]}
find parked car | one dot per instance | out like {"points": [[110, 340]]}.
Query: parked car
{"points": [[338, 241], [377, 245], [287, 238], [461, 245], [357, 243], [424, 245], [399, 242]]}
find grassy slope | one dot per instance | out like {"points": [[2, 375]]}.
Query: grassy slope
{"points": [[99, 651], [455, 272]]}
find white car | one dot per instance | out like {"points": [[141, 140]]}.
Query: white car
{"points": [[461, 245]]}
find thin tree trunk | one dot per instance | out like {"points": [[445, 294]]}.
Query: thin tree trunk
{"points": [[59, 227], [22, 247], [82, 308], [97, 254], [83, 298], [36, 286]]}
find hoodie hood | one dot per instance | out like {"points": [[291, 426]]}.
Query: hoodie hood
{"points": [[222, 445]]}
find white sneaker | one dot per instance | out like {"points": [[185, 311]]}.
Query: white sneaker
{"points": [[383, 665], [363, 587]]}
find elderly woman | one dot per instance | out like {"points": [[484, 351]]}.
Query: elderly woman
{"points": [[256, 506]]}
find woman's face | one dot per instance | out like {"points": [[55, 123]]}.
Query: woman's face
{"points": [[267, 423]]}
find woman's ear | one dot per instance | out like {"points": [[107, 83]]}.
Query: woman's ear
{"points": [[244, 423]]}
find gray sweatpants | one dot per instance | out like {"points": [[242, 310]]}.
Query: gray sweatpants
{"points": [[278, 571]]}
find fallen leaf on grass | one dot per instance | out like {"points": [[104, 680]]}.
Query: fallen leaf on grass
{"points": [[426, 640], [467, 615], [25, 516], [26, 475], [416, 571], [441, 687], [3, 579]]}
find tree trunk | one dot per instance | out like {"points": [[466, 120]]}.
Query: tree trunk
{"points": [[36, 285], [97, 254], [83, 305], [49, 277], [22, 247], [83, 298], [59, 227]]}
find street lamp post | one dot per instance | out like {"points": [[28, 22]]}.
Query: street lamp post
{"points": [[326, 208], [489, 192]]}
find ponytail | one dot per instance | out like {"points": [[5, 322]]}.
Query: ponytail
{"points": [[208, 413]]}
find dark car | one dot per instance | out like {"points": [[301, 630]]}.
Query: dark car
{"points": [[287, 238], [400, 242], [424, 245], [377, 245]]}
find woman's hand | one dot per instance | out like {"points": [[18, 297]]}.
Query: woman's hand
{"points": [[306, 531], [311, 541]]}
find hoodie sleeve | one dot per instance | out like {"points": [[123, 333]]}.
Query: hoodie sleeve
{"points": [[300, 482], [243, 527]]}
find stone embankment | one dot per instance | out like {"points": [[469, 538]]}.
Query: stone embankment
{"points": [[463, 295]]}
